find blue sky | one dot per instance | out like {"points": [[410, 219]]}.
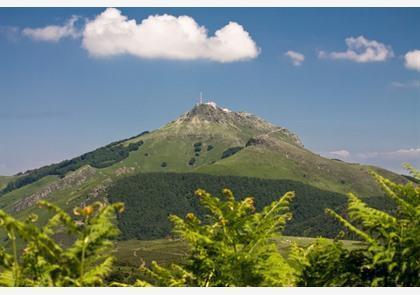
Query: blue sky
{"points": [[64, 92]]}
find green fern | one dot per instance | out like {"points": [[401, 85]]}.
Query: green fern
{"points": [[45, 262], [391, 255], [232, 246]]}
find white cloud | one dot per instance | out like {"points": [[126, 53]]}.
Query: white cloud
{"points": [[167, 37], [54, 33], [409, 84], [361, 50], [340, 154], [296, 57], [391, 160], [401, 154], [412, 60]]}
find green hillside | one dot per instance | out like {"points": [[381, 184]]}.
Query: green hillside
{"points": [[281, 160], [206, 140]]}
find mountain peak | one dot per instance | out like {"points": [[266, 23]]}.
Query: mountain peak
{"points": [[209, 117], [208, 111]]}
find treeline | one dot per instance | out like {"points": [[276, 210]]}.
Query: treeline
{"points": [[151, 197], [99, 158]]}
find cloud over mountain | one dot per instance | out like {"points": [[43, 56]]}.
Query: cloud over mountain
{"points": [[361, 50], [341, 154], [166, 37], [388, 159]]}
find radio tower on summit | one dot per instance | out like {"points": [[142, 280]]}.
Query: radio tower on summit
{"points": [[201, 98]]}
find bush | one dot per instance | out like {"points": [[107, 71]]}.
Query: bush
{"points": [[328, 263], [391, 253], [163, 165], [231, 151], [209, 147], [45, 262], [191, 162], [135, 146], [232, 247]]}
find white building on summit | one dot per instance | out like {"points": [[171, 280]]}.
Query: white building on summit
{"points": [[211, 103]]}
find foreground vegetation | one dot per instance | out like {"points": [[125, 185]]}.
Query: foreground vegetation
{"points": [[391, 256], [233, 244], [134, 253]]}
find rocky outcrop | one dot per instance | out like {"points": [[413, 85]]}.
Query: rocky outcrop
{"points": [[262, 140], [98, 193], [203, 115], [124, 170], [73, 179]]}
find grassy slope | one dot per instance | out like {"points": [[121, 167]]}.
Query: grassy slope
{"points": [[300, 165], [279, 161], [176, 150], [8, 200], [174, 142], [160, 146]]}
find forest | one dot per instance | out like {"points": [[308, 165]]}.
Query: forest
{"points": [[151, 197]]}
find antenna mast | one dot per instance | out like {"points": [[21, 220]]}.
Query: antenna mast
{"points": [[201, 97]]}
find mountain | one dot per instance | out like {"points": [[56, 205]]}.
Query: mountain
{"points": [[205, 140], [252, 147]]}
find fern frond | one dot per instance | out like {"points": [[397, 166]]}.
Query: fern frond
{"points": [[369, 217], [96, 275], [350, 227]]}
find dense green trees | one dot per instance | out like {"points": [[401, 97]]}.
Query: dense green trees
{"points": [[151, 197]]}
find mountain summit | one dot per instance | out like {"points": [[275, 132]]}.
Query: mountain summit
{"points": [[207, 140], [211, 119]]}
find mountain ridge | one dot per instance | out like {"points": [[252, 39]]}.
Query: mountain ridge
{"points": [[207, 140]]}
